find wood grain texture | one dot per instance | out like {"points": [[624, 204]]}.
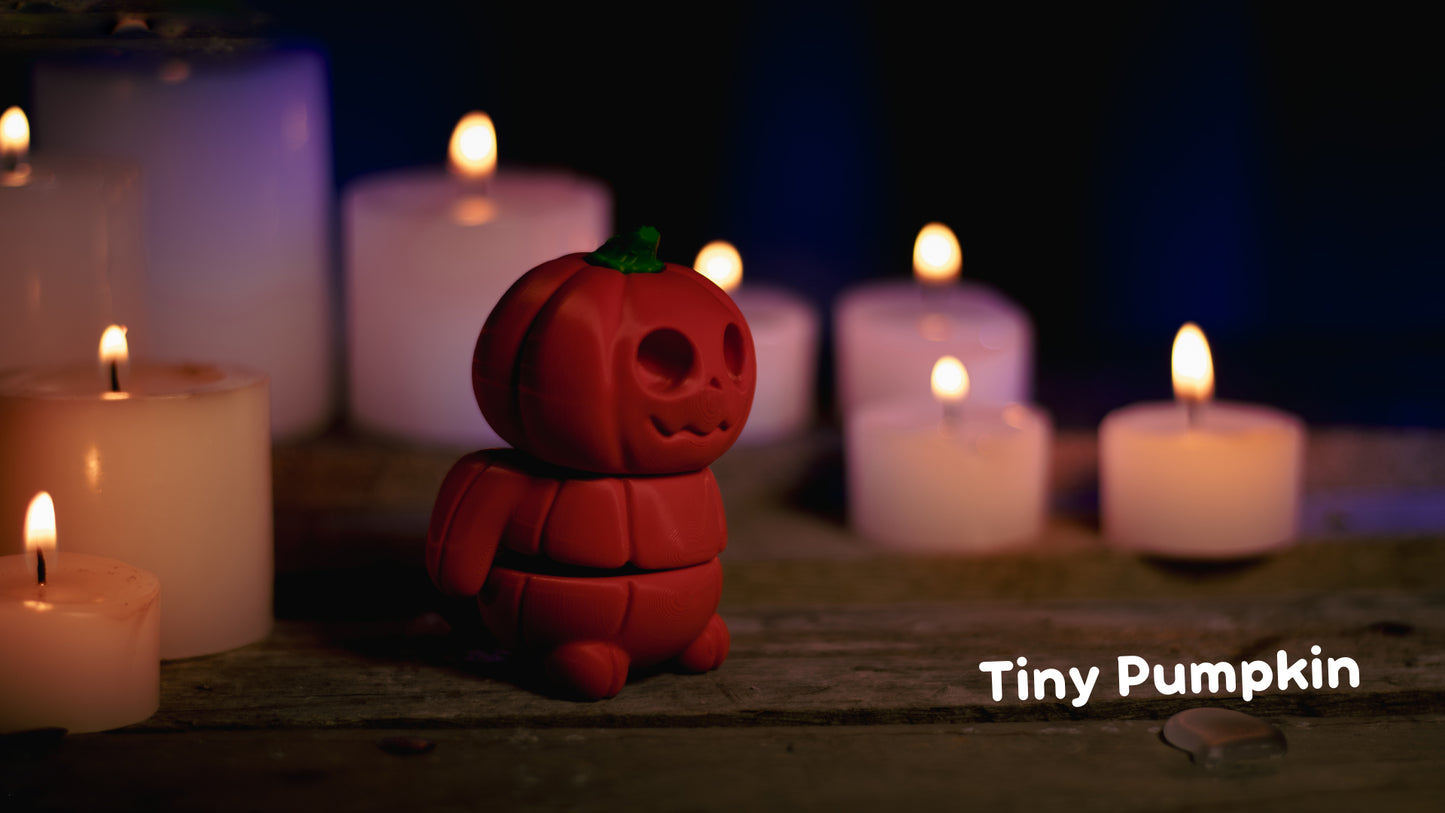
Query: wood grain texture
{"points": [[345, 501], [853, 682], [829, 665], [341, 470], [1389, 763]]}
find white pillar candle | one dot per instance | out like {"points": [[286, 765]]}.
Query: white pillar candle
{"points": [[428, 253], [888, 334], [237, 171], [1200, 479], [172, 475], [939, 478], [70, 251], [81, 651], [785, 339]]}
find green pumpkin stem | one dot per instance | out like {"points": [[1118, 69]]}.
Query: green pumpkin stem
{"points": [[633, 252]]}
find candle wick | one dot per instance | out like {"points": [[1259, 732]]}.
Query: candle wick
{"points": [[951, 416], [479, 185], [933, 324], [115, 376], [931, 297], [473, 184], [14, 169], [1193, 409], [40, 568]]}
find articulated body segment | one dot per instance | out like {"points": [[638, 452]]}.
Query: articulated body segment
{"points": [[594, 573]]}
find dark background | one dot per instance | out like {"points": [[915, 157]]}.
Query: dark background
{"points": [[1272, 171]]}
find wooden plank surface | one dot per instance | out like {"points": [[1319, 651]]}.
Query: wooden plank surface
{"points": [[1387, 763], [345, 501], [854, 678], [346, 471], [828, 665]]}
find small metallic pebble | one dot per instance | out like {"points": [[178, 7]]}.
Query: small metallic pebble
{"points": [[405, 746], [1215, 736]]}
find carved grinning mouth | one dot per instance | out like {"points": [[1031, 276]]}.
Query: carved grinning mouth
{"points": [[662, 429]]}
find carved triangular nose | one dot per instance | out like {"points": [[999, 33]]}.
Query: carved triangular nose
{"points": [[715, 384]]}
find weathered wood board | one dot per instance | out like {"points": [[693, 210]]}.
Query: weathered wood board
{"points": [[854, 679], [1388, 763], [828, 665]]}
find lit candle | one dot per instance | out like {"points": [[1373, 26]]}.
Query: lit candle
{"points": [[428, 253], [1198, 478], [14, 147], [888, 334], [951, 475], [167, 467], [785, 336], [79, 633], [70, 251], [236, 151]]}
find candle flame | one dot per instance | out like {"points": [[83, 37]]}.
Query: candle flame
{"points": [[720, 262], [950, 380], [936, 256], [14, 133], [1192, 366], [40, 529], [113, 357], [472, 153], [113, 349]]}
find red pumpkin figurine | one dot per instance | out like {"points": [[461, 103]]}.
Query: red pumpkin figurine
{"points": [[594, 543]]}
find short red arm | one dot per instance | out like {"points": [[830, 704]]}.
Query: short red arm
{"points": [[476, 501]]}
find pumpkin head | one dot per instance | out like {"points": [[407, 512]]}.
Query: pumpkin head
{"points": [[616, 362]]}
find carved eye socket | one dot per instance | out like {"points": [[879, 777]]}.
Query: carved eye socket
{"points": [[733, 351], [666, 358]]}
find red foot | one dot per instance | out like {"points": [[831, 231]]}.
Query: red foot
{"points": [[592, 669], [710, 648]]}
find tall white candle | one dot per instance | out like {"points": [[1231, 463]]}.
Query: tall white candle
{"points": [[237, 162], [888, 334], [428, 253], [172, 475], [948, 476], [785, 338], [81, 649], [1197, 478], [70, 251]]}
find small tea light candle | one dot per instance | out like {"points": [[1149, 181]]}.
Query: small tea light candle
{"points": [[1197, 478], [785, 338], [80, 636], [166, 466], [428, 254], [888, 334], [948, 476]]}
